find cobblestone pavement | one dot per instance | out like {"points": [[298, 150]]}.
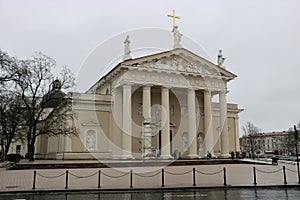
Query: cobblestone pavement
{"points": [[147, 177]]}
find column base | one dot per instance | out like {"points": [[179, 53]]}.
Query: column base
{"points": [[225, 155], [213, 155], [127, 157], [193, 156], [164, 157], [116, 157]]}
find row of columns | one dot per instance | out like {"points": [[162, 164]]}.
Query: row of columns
{"points": [[165, 129]]}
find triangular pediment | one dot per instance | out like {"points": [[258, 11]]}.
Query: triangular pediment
{"points": [[177, 61], [181, 61]]}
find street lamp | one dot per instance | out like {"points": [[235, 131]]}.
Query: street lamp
{"points": [[296, 144]]}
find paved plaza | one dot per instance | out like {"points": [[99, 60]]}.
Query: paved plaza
{"points": [[148, 177]]}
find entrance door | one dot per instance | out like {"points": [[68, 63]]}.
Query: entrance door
{"points": [[171, 145], [160, 145]]}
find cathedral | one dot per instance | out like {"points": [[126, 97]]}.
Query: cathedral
{"points": [[157, 106]]}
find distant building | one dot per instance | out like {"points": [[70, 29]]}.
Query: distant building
{"points": [[270, 142]]}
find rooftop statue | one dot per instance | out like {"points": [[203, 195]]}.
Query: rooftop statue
{"points": [[221, 59], [127, 51], [177, 37]]}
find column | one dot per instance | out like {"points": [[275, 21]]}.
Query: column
{"points": [[224, 125], [147, 103], [192, 124], [126, 123], [165, 123], [208, 126], [117, 109], [147, 120]]}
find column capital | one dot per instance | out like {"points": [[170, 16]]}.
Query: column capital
{"points": [[166, 87], [147, 85], [116, 89], [127, 84], [223, 92], [191, 89], [207, 91]]}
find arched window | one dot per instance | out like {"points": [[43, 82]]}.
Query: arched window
{"points": [[107, 91]]}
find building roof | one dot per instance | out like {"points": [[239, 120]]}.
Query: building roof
{"points": [[270, 134]]}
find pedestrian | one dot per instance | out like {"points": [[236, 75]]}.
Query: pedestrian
{"points": [[232, 155], [208, 155]]}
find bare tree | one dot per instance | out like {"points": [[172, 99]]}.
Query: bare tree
{"points": [[251, 130], [8, 68], [10, 109], [11, 121], [290, 144], [32, 85]]}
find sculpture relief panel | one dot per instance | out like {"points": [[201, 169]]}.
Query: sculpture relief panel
{"points": [[172, 71], [175, 63]]}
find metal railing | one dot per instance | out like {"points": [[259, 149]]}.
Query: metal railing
{"points": [[193, 173]]}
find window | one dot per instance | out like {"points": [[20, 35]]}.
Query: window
{"points": [[18, 149]]}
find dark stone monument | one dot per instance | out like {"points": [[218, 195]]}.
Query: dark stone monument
{"points": [[54, 97]]}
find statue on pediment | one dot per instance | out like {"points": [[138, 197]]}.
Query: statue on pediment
{"points": [[127, 51], [221, 59], [177, 37]]}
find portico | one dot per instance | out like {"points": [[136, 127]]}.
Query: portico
{"points": [[188, 100]]}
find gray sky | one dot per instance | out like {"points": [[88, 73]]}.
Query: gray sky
{"points": [[260, 40]]}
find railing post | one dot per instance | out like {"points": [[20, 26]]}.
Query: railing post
{"points": [[34, 178], [194, 177], [99, 178], [254, 176], [162, 178], [67, 176], [284, 175], [224, 173], [131, 178]]}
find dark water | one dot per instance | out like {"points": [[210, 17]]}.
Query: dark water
{"points": [[205, 194]]}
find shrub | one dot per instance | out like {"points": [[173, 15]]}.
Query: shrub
{"points": [[14, 157]]}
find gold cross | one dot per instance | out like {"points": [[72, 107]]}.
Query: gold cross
{"points": [[174, 17]]}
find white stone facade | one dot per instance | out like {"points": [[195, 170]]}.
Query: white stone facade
{"points": [[172, 91]]}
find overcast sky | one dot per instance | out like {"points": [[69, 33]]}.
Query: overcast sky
{"points": [[260, 40]]}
